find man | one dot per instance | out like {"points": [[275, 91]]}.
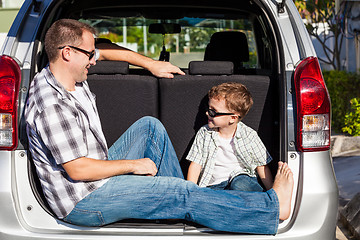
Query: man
{"points": [[139, 177]]}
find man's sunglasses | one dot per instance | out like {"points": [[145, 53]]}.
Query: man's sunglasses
{"points": [[212, 113], [89, 54]]}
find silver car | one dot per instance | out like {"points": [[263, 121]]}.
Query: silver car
{"points": [[270, 51]]}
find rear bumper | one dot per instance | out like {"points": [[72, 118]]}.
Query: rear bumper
{"points": [[314, 215]]}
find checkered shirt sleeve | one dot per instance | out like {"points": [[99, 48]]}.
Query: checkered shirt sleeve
{"points": [[203, 152]]}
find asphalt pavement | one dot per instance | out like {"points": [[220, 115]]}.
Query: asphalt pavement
{"points": [[347, 171], [346, 160]]}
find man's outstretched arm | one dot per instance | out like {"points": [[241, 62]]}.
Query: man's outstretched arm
{"points": [[113, 52]]}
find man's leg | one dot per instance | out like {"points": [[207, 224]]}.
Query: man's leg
{"points": [[147, 138], [141, 197]]}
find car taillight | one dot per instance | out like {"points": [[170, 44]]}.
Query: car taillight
{"points": [[313, 107], [9, 90]]}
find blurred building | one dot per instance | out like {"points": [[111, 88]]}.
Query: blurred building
{"points": [[348, 12], [8, 12]]}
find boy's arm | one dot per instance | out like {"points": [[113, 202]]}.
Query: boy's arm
{"points": [[265, 176], [194, 172]]}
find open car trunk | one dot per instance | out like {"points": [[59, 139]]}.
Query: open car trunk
{"points": [[126, 93]]}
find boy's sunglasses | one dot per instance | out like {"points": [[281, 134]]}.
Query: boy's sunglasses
{"points": [[89, 54], [212, 113]]}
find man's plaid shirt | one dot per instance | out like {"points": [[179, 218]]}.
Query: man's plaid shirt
{"points": [[249, 149], [59, 131]]}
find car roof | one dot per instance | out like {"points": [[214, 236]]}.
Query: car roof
{"points": [[159, 9]]}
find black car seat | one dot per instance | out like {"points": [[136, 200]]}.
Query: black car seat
{"points": [[228, 46]]}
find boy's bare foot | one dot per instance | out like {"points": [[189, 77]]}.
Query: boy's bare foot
{"points": [[283, 186]]}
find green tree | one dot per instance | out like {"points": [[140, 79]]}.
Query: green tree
{"points": [[352, 119], [322, 22]]}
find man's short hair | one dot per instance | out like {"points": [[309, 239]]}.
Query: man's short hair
{"points": [[236, 95], [64, 32]]}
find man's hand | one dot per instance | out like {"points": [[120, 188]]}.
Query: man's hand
{"points": [[164, 69], [144, 166]]}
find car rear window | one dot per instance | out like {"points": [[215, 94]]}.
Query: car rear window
{"points": [[188, 45]]}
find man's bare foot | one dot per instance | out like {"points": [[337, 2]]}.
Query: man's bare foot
{"points": [[283, 186]]}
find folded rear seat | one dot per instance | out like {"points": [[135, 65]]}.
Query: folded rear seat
{"points": [[183, 100], [121, 98]]}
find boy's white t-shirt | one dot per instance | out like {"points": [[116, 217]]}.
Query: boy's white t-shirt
{"points": [[225, 161], [94, 119]]}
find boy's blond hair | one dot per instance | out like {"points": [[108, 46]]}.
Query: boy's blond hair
{"points": [[237, 97]]}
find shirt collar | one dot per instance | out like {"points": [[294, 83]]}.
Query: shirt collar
{"points": [[56, 85], [239, 129], [238, 132], [51, 80]]}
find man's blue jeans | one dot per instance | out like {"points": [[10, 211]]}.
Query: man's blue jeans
{"points": [[168, 195]]}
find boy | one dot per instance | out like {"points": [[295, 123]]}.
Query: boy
{"points": [[227, 154]]}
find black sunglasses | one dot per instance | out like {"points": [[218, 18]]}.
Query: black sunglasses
{"points": [[212, 113], [89, 54]]}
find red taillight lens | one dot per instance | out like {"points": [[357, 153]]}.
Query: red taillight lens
{"points": [[313, 107], [10, 76], [7, 89], [313, 95]]}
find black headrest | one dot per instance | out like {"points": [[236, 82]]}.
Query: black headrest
{"points": [[211, 68], [109, 68], [228, 46]]}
